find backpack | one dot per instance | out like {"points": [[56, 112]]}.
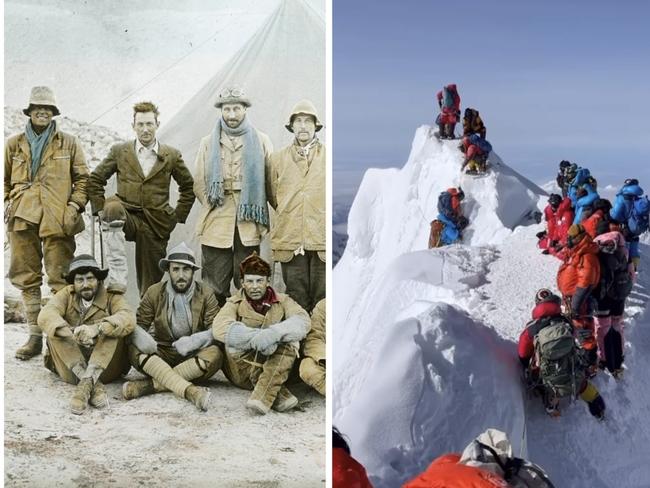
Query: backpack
{"points": [[448, 98], [482, 144], [436, 233], [556, 353], [637, 222]]}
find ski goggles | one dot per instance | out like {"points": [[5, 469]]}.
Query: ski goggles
{"points": [[232, 93]]}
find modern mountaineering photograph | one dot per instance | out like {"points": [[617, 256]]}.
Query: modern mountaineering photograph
{"points": [[165, 257], [491, 253]]}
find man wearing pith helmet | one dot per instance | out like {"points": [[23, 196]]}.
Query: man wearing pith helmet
{"points": [[179, 312], [261, 330], [296, 189], [86, 325], [46, 178], [229, 184]]}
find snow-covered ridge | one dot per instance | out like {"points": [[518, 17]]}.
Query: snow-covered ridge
{"points": [[425, 340]]}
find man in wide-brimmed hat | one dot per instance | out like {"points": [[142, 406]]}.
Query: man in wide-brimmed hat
{"points": [[261, 330], [140, 212], [181, 350], [45, 193], [296, 189], [86, 325], [229, 183]]}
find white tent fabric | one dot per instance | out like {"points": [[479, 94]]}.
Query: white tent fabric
{"points": [[281, 64]]}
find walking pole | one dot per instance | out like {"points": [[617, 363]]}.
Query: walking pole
{"points": [[101, 243], [92, 235]]}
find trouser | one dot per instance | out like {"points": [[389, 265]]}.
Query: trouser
{"points": [[208, 361], [313, 373], [265, 375], [29, 252], [221, 265], [64, 355], [609, 335], [304, 277], [149, 247]]}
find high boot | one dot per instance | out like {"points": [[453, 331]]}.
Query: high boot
{"points": [[32, 305], [162, 373], [115, 254]]}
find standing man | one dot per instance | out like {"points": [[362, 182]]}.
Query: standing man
{"points": [[86, 326], [230, 184], [296, 189], [140, 211], [261, 330], [45, 193], [180, 312]]}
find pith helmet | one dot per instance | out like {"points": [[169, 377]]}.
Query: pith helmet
{"points": [[85, 263], [232, 94], [42, 95], [179, 254], [307, 108]]}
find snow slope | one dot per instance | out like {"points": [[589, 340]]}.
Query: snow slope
{"points": [[425, 340]]}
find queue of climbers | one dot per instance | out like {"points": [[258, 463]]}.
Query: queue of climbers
{"points": [[573, 336]]}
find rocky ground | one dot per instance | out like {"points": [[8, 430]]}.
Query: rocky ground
{"points": [[156, 440]]}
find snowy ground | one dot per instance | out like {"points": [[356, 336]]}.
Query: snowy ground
{"points": [[155, 440], [425, 340]]}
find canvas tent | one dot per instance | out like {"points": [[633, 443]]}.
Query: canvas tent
{"points": [[281, 64]]}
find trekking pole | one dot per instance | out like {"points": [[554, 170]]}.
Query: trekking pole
{"points": [[101, 243], [92, 235]]}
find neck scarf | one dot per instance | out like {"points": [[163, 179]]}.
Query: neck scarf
{"points": [[179, 310], [304, 150], [263, 305], [37, 143], [252, 203]]}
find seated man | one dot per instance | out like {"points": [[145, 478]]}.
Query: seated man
{"points": [[261, 330], [85, 326], [180, 311], [312, 367]]}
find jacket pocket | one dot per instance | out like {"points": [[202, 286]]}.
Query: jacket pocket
{"points": [[73, 222], [19, 170]]}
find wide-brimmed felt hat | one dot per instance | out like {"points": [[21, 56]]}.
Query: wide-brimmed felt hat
{"points": [[84, 263], [305, 107], [179, 254], [42, 95], [254, 265], [232, 94]]}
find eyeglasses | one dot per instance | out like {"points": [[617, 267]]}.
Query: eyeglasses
{"points": [[231, 92]]}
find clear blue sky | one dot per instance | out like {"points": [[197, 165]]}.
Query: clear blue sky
{"points": [[552, 79]]}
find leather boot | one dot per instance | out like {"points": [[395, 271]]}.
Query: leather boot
{"points": [[32, 305], [137, 388], [200, 397], [285, 400], [99, 397], [79, 401]]}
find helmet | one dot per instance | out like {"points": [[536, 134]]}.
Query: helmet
{"points": [[630, 181], [564, 163], [554, 199], [545, 295]]}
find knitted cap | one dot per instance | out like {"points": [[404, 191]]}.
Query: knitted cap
{"points": [[254, 265], [576, 230]]}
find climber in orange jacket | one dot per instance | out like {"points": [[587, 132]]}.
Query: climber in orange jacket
{"points": [[446, 472]]}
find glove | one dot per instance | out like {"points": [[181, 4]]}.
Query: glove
{"points": [[86, 334], [199, 340], [292, 329], [143, 341], [239, 336], [265, 339], [269, 350]]}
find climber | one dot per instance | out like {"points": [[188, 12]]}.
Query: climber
{"points": [[632, 212], [447, 228], [449, 103], [473, 124], [476, 150], [559, 217]]}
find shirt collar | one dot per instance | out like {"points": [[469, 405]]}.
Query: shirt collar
{"points": [[138, 145]]}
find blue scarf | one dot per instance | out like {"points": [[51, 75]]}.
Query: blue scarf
{"points": [[37, 143], [252, 203]]}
